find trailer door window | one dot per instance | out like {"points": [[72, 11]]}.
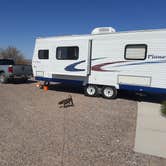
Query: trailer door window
{"points": [[136, 52], [43, 54], [67, 53]]}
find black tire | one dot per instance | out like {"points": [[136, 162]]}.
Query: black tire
{"points": [[3, 78], [109, 92], [91, 90], [25, 79], [46, 83]]}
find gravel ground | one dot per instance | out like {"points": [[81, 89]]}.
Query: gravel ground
{"points": [[34, 131]]}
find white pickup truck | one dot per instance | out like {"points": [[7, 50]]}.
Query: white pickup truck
{"points": [[10, 71]]}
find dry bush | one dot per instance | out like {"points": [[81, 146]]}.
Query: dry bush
{"points": [[13, 53]]}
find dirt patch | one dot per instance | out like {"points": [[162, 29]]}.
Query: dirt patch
{"points": [[34, 131]]}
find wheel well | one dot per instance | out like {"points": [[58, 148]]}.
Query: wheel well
{"points": [[100, 87]]}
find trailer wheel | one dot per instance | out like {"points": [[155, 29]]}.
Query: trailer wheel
{"points": [[91, 90], [3, 79], [109, 92]]}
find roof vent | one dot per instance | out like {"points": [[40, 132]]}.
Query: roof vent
{"points": [[103, 30]]}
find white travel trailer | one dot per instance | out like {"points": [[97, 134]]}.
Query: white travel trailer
{"points": [[104, 61]]}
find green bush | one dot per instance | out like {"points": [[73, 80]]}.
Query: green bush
{"points": [[163, 108]]}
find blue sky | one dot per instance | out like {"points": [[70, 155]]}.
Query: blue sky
{"points": [[21, 21]]}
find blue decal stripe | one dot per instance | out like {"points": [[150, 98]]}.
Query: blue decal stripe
{"points": [[72, 67], [142, 89]]}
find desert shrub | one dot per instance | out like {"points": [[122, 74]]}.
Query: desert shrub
{"points": [[163, 108]]}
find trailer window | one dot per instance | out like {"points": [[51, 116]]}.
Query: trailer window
{"points": [[136, 52], [43, 54], [67, 53]]}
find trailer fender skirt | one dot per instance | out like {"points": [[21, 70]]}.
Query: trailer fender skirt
{"points": [[59, 80], [142, 89]]}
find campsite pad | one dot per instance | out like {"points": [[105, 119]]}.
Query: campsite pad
{"points": [[151, 130]]}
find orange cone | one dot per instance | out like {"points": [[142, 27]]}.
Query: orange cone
{"points": [[45, 88]]}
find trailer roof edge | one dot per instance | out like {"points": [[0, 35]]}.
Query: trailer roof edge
{"points": [[118, 32]]}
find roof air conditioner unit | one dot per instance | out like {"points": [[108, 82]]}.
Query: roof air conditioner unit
{"points": [[103, 30]]}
